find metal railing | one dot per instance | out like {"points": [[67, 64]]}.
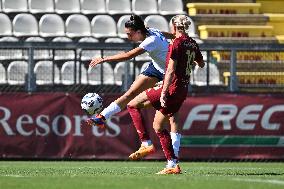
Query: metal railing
{"points": [[230, 67]]}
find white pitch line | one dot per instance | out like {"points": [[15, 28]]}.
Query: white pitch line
{"points": [[16, 176], [279, 182]]}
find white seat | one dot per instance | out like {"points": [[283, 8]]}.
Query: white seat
{"points": [[14, 6], [68, 73], [3, 79], [103, 26], [25, 25], [118, 6], [42, 6], [61, 54], [113, 52], [170, 7], [119, 71], [38, 53], [10, 54], [157, 21], [78, 25], [87, 54], [199, 75], [144, 7], [93, 6], [121, 26], [6, 25], [44, 73], [51, 25], [16, 72], [67, 6], [94, 74]]}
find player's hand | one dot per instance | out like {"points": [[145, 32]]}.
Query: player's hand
{"points": [[96, 61], [163, 99]]}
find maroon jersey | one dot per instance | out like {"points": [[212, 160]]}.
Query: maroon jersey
{"points": [[184, 51]]}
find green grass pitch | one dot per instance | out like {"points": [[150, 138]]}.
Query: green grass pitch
{"points": [[126, 174]]}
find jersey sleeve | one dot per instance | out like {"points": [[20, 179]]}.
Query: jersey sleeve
{"points": [[148, 44], [174, 51], [198, 56]]}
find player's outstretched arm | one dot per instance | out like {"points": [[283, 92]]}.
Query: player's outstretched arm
{"points": [[118, 57]]}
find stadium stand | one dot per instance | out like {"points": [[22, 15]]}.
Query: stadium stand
{"points": [[16, 6], [120, 26], [45, 72], [144, 7], [63, 54], [257, 78], [170, 7], [199, 75], [118, 6], [42, 6], [93, 7], [25, 24], [16, 72], [77, 25], [3, 77], [94, 74], [6, 25], [103, 26], [69, 72], [119, 71], [67, 6], [271, 6], [157, 21], [51, 25], [39, 54]]}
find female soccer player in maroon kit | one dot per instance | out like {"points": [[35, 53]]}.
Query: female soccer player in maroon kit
{"points": [[167, 99]]}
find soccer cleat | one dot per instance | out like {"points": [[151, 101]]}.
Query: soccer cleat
{"points": [[142, 152], [98, 121], [172, 170]]}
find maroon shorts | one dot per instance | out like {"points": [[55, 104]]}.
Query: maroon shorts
{"points": [[173, 102]]}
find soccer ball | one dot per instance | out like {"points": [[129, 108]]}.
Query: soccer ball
{"points": [[92, 103]]}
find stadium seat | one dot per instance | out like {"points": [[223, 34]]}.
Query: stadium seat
{"points": [[10, 54], [44, 73], [199, 75], [63, 54], [158, 22], [3, 79], [67, 6], [113, 52], [68, 73], [103, 26], [121, 26], [93, 6], [77, 25], [6, 25], [94, 74], [144, 7], [42, 6], [25, 25], [170, 7], [87, 54], [16, 72], [51, 25], [119, 71], [118, 6], [223, 8], [14, 6], [39, 54]]}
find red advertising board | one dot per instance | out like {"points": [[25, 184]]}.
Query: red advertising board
{"points": [[219, 126]]}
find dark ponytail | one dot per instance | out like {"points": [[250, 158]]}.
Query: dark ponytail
{"points": [[136, 23]]}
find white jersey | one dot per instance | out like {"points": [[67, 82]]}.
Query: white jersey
{"points": [[156, 46]]}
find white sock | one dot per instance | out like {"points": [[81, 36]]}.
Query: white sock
{"points": [[112, 109], [171, 163], [146, 143], [175, 142]]}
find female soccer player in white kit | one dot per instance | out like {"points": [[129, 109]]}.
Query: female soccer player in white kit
{"points": [[154, 42]]}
